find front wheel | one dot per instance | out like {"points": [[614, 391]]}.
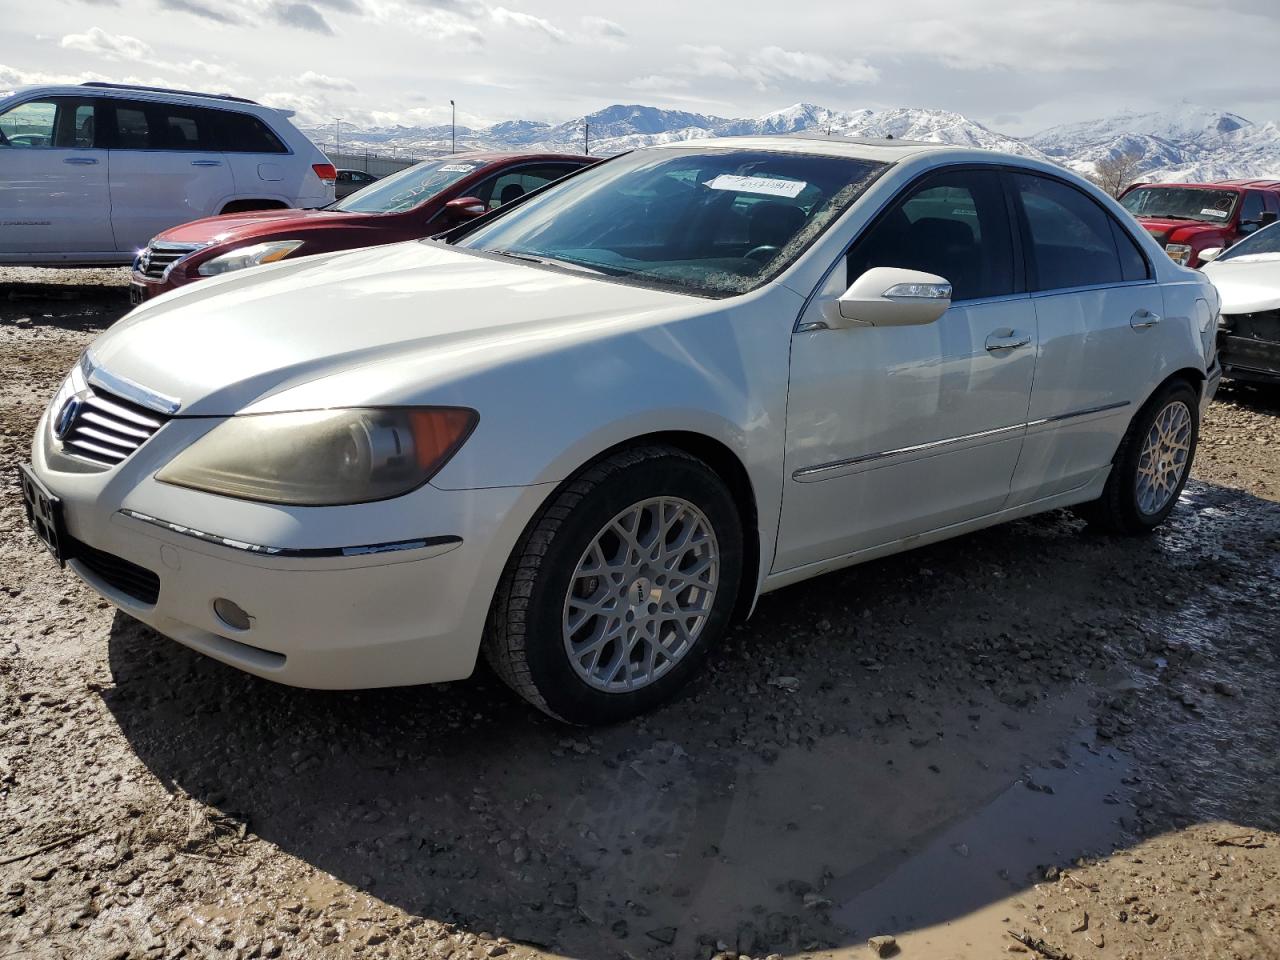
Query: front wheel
{"points": [[614, 596], [1152, 464]]}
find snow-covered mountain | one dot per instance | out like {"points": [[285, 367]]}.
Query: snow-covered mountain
{"points": [[627, 126], [1189, 143], [1186, 143]]}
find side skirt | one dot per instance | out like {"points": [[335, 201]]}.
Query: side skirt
{"points": [[1090, 490]]}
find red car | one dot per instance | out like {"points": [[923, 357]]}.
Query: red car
{"points": [[420, 201], [1191, 218]]}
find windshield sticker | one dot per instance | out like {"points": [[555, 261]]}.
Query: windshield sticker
{"points": [[1210, 212], [457, 168], [765, 185]]}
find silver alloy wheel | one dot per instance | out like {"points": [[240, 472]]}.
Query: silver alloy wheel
{"points": [[641, 594], [1164, 458]]}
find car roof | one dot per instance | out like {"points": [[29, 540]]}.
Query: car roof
{"points": [[159, 94], [885, 150], [1215, 184]]}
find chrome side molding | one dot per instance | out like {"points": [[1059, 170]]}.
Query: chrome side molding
{"points": [[824, 471]]}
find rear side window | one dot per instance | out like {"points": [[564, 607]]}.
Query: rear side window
{"points": [[1071, 238], [133, 129], [1133, 265], [953, 224], [245, 133]]}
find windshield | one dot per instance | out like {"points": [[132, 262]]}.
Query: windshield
{"points": [[709, 222], [1266, 240], [408, 188], [1180, 203]]}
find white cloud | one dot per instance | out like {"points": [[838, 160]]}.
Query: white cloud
{"points": [[110, 46], [813, 67], [527, 21], [657, 84], [311, 79]]}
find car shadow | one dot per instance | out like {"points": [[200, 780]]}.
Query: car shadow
{"points": [[854, 758], [66, 306]]}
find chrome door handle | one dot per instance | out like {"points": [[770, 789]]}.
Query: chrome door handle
{"points": [[206, 163], [80, 161], [1144, 318], [1007, 342]]}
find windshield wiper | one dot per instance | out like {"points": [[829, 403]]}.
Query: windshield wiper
{"points": [[549, 261]]}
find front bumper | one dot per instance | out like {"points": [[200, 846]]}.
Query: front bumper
{"points": [[143, 288], [321, 617], [1249, 346]]}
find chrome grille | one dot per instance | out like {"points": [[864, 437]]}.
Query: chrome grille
{"points": [[158, 257], [106, 428]]}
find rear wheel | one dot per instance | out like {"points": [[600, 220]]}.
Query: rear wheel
{"points": [[1152, 464], [613, 597]]}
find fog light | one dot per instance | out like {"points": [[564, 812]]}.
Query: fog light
{"points": [[232, 614]]}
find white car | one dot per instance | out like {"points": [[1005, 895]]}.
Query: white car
{"points": [[90, 173], [1248, 280], [585, 432]]}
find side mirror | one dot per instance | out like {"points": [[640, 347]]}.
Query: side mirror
{"points": [[464, 208], [1268, 217], [890, 297], [1209, 253]]}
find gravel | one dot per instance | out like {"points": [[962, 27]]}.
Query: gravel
{"points": [[154, 803]]}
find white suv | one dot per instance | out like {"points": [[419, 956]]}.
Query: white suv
{"points": [[90, 173]]}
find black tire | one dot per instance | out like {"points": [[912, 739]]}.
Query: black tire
{"points": [[1118, 509], [524, 636]]}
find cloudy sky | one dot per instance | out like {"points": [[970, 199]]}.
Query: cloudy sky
{"points": [[1016, 66]]}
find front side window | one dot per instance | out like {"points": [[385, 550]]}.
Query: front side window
{"points": [[409, 188], [1071, 243], [514, 184], [1251, 209], [1180, 203], [42, 124], [953, 224], [711, 222]]}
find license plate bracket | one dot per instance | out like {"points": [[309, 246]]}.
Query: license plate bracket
{"points": [[44, 515]]}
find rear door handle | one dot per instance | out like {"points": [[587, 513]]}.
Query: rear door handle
{"points": [[1007, 341], [206, 163], [1143, 318], [80, 161]]}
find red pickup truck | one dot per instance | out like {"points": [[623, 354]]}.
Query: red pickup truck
{"points": [[1194, 222]]}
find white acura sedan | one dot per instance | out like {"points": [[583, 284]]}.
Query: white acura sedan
{"points": [[584, 432]]}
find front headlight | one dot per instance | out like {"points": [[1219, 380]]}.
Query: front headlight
{"points": [[1179, 252], [323, 457], [253, 256]]}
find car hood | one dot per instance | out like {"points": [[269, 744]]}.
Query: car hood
{"points": [[1247, 284], [244, 340], [1159, 225], [255, 223]]}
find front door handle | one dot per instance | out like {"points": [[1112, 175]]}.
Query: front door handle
{"points": [[1007, 341], [80, 161], [1143, 318], [206, 163]]}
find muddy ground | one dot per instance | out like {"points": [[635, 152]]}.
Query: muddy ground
{"points": [[1030, 732]]}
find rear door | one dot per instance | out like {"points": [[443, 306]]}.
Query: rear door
{"points": [[53, 180], [1099, 312], [163, 169]]}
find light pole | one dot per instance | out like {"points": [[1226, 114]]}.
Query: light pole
{"points": [[586, 137], [337, 135], [453, 127]]}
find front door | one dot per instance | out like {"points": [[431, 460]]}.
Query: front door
{"points": [[53, 181], [896, 431]]}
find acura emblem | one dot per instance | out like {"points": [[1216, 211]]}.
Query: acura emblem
{"points": [[66, 417]]}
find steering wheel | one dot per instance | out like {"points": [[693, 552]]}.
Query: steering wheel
{"points": [[764, 253]]}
